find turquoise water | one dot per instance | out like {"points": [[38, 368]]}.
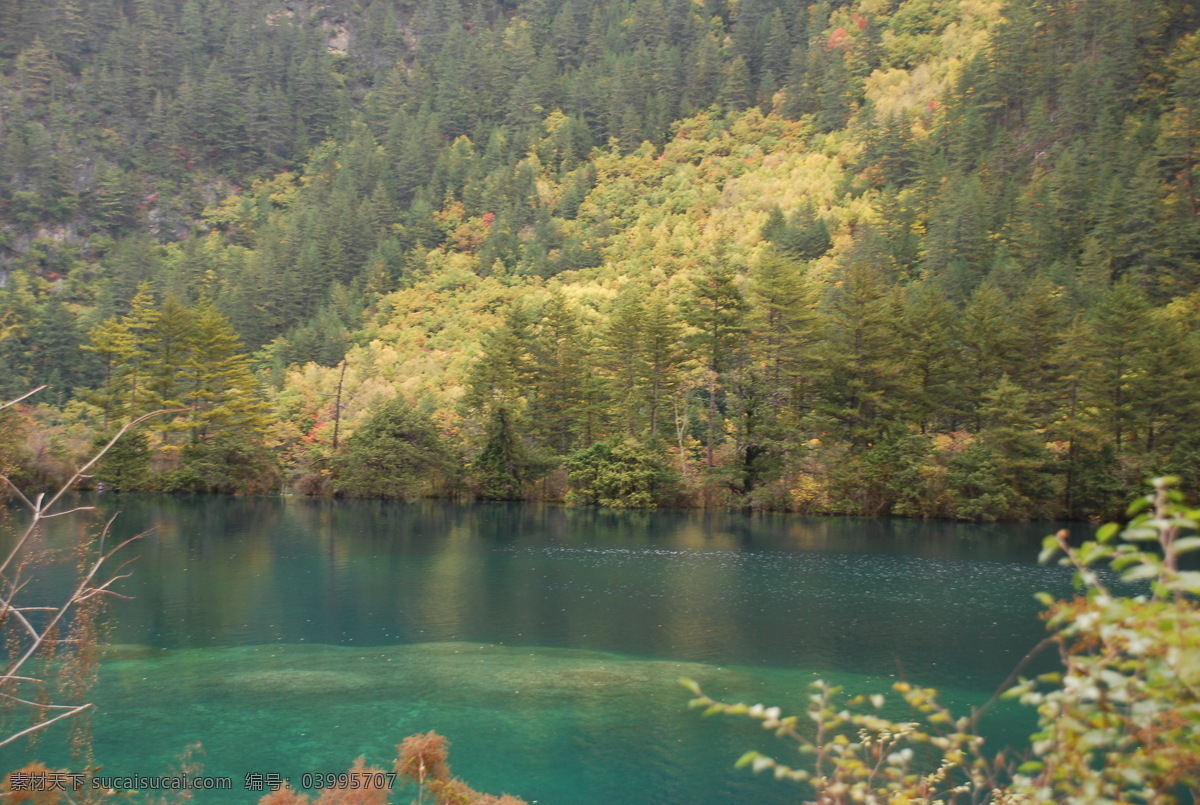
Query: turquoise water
{"points": [[291, 636]]}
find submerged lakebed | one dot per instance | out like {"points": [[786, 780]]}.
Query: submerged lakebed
{"points": [[290, 636]]}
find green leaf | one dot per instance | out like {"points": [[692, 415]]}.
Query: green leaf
{"points": [[1049, 548], [1186, 545], [1139, 505], [1188, 668], [1146, 570], [1141, 534], [1107, 531], [1030, 767], [1188, 581], [1125, 560], [746, 759]]}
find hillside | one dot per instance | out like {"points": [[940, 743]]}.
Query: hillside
{"points": [[926, 258]]}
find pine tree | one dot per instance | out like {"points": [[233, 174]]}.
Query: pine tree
{"points": [[37, 74], [861, 377], [662, 356], [563, 397], [1006, 473], [623, 354], [737, 91], [1120, 336], [717, 309], [217, 382], [502, 373], [503, 466], [988, 340], [933, 358], [785, 330]]}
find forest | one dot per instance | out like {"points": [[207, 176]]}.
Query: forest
{"points": [[930, 258]]}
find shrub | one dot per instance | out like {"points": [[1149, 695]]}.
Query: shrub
{"points": [[421, 760], [396, 453], [1120, 723], [619, 474]]}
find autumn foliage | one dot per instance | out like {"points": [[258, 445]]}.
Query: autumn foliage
{"points": [[422, 759]]}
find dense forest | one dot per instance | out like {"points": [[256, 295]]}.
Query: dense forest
{"points": [[933, 258]]}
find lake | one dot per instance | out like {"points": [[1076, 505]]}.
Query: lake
{"points": [[290, 636]]}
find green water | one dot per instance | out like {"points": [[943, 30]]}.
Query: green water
{"points": [[292, 636]]}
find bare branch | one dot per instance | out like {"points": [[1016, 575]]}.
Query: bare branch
{"points": [[38, 704], [9, 608], [79, 473], [33, 637], [20, 494], [24, 396], [43, 724], [76, 510], [40, 510]]}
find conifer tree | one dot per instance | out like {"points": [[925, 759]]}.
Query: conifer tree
{"points": [[785, 328], [1005, 474], [717, 309], [861, 379], [933, 359], [737, 91], [563, 398], [504, 464], [989, 345], [1120, 336], [662, 356], [622, 342]]}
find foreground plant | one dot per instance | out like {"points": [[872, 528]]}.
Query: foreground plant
{"points": [[861, 756], [51, 647], [1120, 723], [421, 760]]}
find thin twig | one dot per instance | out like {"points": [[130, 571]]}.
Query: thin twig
{"points": [[88, 586], [24, 396], [43, 724], [1009, 680]]}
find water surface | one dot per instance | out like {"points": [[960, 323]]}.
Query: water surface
{"points": [[291, 636]]}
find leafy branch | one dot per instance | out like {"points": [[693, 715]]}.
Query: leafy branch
{"points": [[1120, 723]]}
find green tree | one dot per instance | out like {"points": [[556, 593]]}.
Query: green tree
{"points": [[661, 360], [566, 407], [989, 341], [1120, 336], [861, 379], [217, 382], [188, 360], [737, 92], [504, 465], [1005, 473], [785, 328], [502, 374], [618, 474], [716, 309], [396, 453], [933, 357], [803, 235]]}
